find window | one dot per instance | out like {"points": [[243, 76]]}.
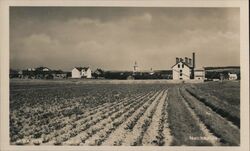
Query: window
{"points": [[180, 74], [182, 65], [180, 78], [178, 65], [180, 71]]}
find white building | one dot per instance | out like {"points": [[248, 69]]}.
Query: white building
{"points": [[199, 74], [81, 72], [181, 71], [232, 76]]}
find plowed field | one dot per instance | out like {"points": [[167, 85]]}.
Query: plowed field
{"points": [[125, 114]]}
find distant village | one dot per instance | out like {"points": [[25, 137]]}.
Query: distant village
{"points": [[183, 69]]}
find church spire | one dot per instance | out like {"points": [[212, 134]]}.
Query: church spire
{"points": [[135, 67]]}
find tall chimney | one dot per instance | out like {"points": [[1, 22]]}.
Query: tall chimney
{"points": [[177, 59], [181, 60], [186, 60], [193, 60]]}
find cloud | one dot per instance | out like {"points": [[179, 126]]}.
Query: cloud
{"points": [[113, 38]]}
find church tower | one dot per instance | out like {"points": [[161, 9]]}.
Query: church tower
{"points": [[135, 67]]}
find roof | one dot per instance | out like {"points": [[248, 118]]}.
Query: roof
{"points": [[183, 63], [82, 68]]}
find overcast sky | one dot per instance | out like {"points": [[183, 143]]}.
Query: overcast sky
{"points": [[113, 38]]}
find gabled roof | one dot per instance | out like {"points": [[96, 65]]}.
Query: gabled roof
{"points": [[82, 68], [183, 63]]}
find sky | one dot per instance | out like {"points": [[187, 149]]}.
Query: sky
{"points": [[113, 38]]}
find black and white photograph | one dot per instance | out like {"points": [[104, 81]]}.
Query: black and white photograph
{"points": [[122, 76]]}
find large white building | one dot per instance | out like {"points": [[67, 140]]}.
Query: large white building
{"points": [[181, 70], [184, 69], [81, 72]]}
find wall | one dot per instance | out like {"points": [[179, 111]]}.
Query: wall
{"points": [[185, 72]]}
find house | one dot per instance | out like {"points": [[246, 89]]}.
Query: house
{"points": [[81, 72], [232, 76], [199, 74]]}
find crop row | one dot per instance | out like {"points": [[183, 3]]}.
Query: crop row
{"points": [[219, 126], [110, 121], [134, 136], [226, 91], [90, 120], [55, 124], [25, 120], [118, 137], [226, 110], [147, 120], [156, 134], [181, 123], [124, 114]]}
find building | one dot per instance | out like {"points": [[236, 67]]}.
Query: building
{"points": [[181, 70], [81, 72], [184, 69], [199, 74], [232, 76]]}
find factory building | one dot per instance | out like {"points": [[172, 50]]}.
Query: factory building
{"points": [[184, 69]]}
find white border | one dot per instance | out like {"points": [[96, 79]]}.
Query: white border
{"points": [[4, 68]]}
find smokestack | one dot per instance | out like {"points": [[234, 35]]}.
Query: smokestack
{"points": [[186, 60], [181, 60], [177, 59], [193, 60]]}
